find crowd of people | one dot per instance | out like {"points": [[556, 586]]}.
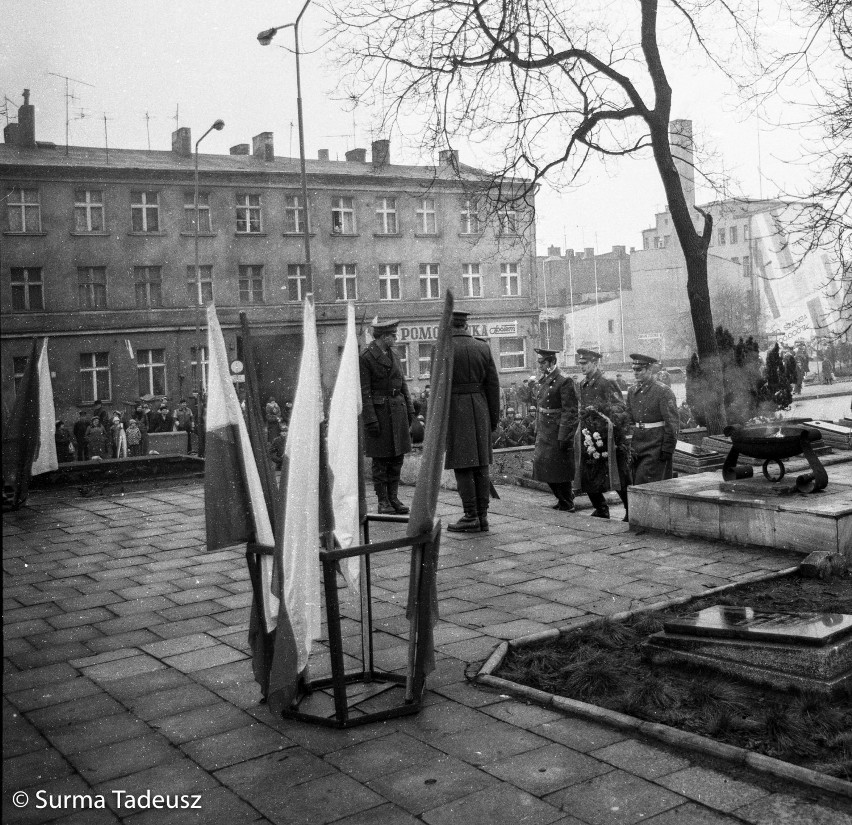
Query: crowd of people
{"points": [[98, 433]]}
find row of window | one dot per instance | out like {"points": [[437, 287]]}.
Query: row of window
{"points": [[95, 373], [724, 235], [28, 284], [23, 209]]}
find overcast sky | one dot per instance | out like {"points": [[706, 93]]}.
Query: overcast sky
{"points": [[201, 61]]}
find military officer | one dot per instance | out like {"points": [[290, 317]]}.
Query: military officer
{"points": [[388, 413], [474, 413], [652, 414], [603, 396], [553, 456]]}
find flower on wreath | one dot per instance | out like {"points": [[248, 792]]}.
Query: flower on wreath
{"points": [[592, 424]]}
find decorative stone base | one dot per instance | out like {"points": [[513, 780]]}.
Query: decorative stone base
{"points": [[704, 506]]}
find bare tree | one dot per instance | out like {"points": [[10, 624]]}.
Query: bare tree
{"points": [[822, 64], [553, 83]]}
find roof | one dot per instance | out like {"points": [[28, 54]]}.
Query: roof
{"points": [[49, 156]]}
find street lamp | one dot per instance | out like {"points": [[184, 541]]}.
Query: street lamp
{"points": [[218, 125], [265, 38]]}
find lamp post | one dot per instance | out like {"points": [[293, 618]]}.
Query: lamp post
{"points": [[265, 38], [218, 125]]}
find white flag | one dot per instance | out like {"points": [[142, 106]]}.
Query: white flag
{"points": [[45, 460]]}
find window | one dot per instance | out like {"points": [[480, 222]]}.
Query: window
{"points": [[732, 235], [204, 224], [424, 360], [346, 282], [658, 242], [248, 213], [151, 371], [402, 352], [512, 354], [509, 280], [199, 290], [91, 287], [721, 234], [666, 241], [471, 281], [469, 218], [27, 289], [193, 366], [610, 326], [343, 216], [429, 287], [746, 232], [95, 377], [386, 216], [295, 282], [145, 211], [509, 221], [294, 214], [747, 266], [149, 286], [88, 210], [735, 261], [646, 241], [426, 221], [389, 282], [23, 209], [251, 284], [19, 365]]}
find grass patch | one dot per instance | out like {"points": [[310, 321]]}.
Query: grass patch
{"points": [[602, 664]]}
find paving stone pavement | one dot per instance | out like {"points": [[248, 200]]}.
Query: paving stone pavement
{"points": [[127, 670]]}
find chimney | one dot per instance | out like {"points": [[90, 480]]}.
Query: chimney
{"points": [[381, 153], [620, 250], [240, 149], [356, 156], [449, 158], [10, 134], [182, 142], [590, 252], [322, 154], [261, 146], [632, 249], [569, 253], [554, 251], [26, 122], [683, 152]]}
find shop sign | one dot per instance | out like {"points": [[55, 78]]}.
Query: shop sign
{"points": [[488, 329]]}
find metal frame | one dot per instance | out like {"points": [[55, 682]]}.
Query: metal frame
{"points": [[339, 678]]}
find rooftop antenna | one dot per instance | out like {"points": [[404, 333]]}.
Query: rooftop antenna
{"points": [[68, 98], [759, 170], [6, 110], [177, 116], [290, 149], [148, 129]]}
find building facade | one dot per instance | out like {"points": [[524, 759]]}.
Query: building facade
{"points": [[98, 254]]}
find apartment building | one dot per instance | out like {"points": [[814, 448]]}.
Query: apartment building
{"points": [[98, 254]]}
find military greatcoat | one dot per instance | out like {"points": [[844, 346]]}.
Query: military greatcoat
{"points": [[386, 400], [556, 400], [605, 397], [652, 447], [474, 403]]}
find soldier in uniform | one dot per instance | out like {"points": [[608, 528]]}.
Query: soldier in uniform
{"points": [[388, 413], [652, 413], [474, 413], [603, 396], [515, 429], [556, 403]]}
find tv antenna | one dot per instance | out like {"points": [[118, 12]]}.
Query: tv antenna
{"points": [[68, 98], [5, 109]]}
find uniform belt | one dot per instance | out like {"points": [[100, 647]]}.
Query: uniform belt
{"points": [[652, 426], [552, 411], [380, 399], [465, 389]]}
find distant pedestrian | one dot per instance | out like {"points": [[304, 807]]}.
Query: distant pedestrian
{"points": [[273, 419], [474, 413], [64, 444], [134, 438], [96, 439], [143, 418], [185, 422], [556, 403], [81, 425], [118, 438], [652, 413], [278, 446], [827, 371]]}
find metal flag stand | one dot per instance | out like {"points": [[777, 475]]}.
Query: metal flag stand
{"points": [[346, 699]]}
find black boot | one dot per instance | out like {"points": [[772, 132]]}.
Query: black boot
{"points": [[599, 503], [397, 505], [622, 494], [468, 523], [385, 507]]}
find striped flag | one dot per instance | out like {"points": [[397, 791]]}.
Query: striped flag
{"points": [[234, 506], [422, 610], [45, 459], [297, 527], [343, 451]]}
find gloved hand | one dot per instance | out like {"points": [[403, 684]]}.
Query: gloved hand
{"points": [[373, 429]]}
